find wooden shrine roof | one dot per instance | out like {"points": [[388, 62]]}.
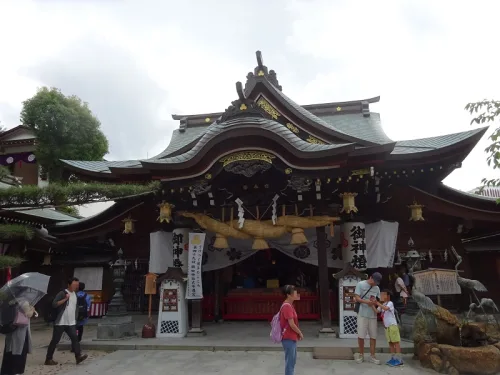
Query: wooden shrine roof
{"points": [[310, 132]]}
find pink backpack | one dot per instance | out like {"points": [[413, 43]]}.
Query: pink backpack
{"points": [[276, 331]]}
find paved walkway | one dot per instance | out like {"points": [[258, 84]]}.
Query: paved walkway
{"points": [[228, 363]]}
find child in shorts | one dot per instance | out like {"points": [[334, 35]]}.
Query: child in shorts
{"points": [[391, 328]]}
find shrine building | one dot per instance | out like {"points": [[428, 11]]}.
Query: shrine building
{"points": [[286, 194]]}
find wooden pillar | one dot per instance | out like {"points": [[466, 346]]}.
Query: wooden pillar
{"points": [[324, 290], [196, 319]]}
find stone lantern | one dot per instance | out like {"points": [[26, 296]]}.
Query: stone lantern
{"points": [[117, 324]]}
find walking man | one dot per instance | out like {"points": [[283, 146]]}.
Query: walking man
{"points": [[366, 295], [66, 317]]}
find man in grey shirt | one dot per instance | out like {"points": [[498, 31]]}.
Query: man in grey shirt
{"points": [[366, 294], [67, 312]]}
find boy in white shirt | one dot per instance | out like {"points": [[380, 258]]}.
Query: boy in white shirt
{"points": [[391, 328]]}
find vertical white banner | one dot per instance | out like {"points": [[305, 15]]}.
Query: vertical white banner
{"points": [[180, 239], [354, 244], [195, 256]]}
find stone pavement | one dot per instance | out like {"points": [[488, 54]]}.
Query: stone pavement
{"points": [[228, 363]]}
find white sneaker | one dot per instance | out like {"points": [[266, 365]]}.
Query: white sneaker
{"points": [[374, 360], [359, 358]]}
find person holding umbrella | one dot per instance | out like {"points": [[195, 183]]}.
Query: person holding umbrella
{"points": [[17, 300]]}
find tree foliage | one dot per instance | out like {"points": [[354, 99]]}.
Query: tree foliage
{"points": [[488, 111], [65, 128], [73, 194]]}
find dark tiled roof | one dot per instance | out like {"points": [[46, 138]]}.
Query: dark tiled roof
{"points": [[209, 132], [433, 143], [269, 125], [356, 125], [304, 112], [45, 213], [102, 166], [181, 139]]}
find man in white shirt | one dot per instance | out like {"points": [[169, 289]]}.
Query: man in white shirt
{"points": [[366, 295], [65, 321]]}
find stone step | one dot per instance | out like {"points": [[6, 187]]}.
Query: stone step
{"points": [[146, 344]]}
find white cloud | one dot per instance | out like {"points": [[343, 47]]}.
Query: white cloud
{"points": [[426, 59]]}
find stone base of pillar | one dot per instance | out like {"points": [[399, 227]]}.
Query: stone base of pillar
{"points": [[116, 328], [327, 332], [196, 332]]}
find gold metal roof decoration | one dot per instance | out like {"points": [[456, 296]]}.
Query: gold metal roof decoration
{"points": [[266, 106], [314, 140], [292, 128], [349, 204], [247, 156], [416, 212], [165, 212], [129, 226]]}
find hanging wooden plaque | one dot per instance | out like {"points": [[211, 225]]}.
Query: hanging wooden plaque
{"points": [[150, 287]]}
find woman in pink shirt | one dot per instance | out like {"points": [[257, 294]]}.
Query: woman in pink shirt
{"points": [[289, 323]]}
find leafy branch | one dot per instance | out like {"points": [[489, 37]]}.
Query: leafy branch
{"points": [[70, 194], [15, 231], [488, 111], [7, 261]]}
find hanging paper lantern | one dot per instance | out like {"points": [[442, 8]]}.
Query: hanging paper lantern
{"points": [[128, 225], [416, 212], [348, 202], [165, 212], [47, 260]]}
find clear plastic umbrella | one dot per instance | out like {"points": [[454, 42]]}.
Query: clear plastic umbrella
{"points": [[27, 288]]}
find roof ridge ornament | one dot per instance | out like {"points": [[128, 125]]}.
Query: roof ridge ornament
{"points": [[242, 107], [262, 71]]}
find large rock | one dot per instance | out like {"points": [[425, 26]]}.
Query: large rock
{"points": [[449, 359]]}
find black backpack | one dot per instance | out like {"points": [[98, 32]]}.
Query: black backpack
{"points": [[82, 307]]}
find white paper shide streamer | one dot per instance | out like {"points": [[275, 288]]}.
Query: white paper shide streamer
{"points": [[241, 213], [274, 217]]}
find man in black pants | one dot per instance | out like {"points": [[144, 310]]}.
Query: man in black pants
{"points": [[65, 303]]}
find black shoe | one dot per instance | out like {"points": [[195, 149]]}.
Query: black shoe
{"points": [[81, 358], [50, 362]]}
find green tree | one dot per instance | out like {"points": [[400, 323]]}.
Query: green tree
{"points": [[65, 128], [488, 111]]}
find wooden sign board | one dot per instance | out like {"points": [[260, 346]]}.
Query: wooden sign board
{"points": [[150, 287], [437, 282]]}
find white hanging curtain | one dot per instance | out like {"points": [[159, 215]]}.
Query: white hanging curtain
{"points": [[380, 248]]}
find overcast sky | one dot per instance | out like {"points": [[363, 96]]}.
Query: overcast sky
{"points": [[138, 62]]}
